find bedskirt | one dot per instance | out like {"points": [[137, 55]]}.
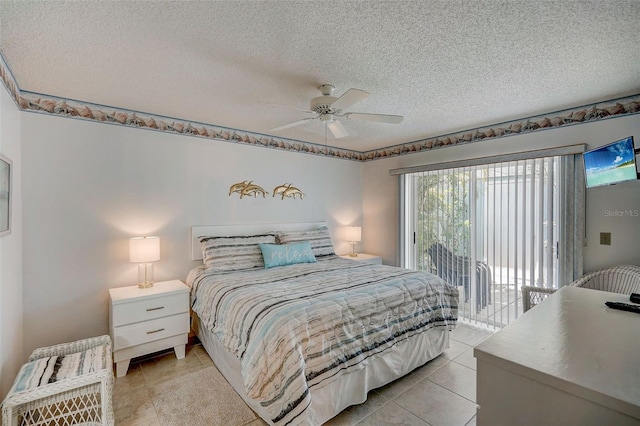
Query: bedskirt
{"points": [[350, 389]]}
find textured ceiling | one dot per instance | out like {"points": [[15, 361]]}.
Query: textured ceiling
{"points": [[252, 65]]}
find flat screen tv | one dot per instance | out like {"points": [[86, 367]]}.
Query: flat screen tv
{"points": [[611, 164]]}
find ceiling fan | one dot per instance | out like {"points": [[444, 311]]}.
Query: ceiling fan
{"points": [[328, 108]]}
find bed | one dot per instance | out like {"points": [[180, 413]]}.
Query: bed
{"points": [[303, 338]]}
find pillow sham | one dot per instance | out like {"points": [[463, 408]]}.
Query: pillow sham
{"points": [[320, 240], [234, 253], [286, 254]]}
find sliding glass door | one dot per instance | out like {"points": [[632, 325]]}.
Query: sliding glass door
{"points": [[487, 229]]}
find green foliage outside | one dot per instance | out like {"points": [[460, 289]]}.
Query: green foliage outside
{"points": [[443, 212]]}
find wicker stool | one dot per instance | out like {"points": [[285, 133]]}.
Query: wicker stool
{"points": [[77, 388]]}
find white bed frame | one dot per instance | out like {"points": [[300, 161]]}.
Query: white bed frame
{"points": [[350, 389]]}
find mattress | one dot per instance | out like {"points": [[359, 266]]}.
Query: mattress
{"points": [[302, 342]]}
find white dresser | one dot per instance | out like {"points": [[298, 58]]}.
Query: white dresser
{"points": [[146, 320], [570, 360]]}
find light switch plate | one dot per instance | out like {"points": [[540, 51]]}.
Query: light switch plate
{"points": [[605, 238]]}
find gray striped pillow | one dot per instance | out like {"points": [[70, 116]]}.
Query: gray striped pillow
{"points": [[320, 240], [234, 253]]}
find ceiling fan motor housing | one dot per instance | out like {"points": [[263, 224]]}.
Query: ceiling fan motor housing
{"points": [[322, 105]]}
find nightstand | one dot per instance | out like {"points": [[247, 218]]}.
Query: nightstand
{"points": [[146, 320], [366, 258]]}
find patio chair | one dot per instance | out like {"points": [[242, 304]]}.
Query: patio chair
{"points": [[456, 270], [623, 279]]}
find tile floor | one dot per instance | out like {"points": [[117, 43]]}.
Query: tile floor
{"points": [[505, 307], [166, 391]]}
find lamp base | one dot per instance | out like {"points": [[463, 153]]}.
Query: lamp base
{"points": [[145, 275], [353, 249]]}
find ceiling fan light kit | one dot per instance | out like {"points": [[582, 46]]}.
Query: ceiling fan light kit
{"points": [[328, 108]]}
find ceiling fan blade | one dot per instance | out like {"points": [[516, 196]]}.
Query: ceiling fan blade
{"points": [[337, 129], [294, 124], [350, 97], [380, 118]]}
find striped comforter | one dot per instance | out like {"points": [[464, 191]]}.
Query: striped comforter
{"points": [[299, 326]]}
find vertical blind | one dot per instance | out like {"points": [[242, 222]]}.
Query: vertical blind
{"points": [[490, 229]]}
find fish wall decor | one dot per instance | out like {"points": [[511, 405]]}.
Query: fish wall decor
{"points": [[287, 190], [247, 188]]}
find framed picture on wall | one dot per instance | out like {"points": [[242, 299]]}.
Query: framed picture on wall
{"points": [[5, 195]]}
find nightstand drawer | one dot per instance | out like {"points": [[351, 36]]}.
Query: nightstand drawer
{"points": [[138, 334], [148, 309]]}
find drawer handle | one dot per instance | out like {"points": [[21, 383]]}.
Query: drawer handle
{"points": [[155, 331], [155, 309]]}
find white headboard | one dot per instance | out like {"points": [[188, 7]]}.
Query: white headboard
{"points": [[252, 229]]}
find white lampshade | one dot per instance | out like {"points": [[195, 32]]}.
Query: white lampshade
{"points": [[144, 249], [354, 234]]}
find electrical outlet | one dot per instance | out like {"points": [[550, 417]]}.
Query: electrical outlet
{"points": [[605, 238]]}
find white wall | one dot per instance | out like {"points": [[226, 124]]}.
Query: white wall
{"points": [[88, 187], [11, 308], [381, 191]]}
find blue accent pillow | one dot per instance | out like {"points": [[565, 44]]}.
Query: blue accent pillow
{"points": [[286, 254]]}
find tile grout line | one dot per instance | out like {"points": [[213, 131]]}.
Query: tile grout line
{"points": [[455, 393], [452, 391], [397, 405], [424, 379], [387, 402], [146, 388]]}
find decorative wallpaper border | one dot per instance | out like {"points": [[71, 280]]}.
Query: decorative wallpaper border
{"points": [[584, 114], [86, 111], [34, 102], [9, 81]]}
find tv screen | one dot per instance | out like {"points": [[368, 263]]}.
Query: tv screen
{"points": [[611, 164]]}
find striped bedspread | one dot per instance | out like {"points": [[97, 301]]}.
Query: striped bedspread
{"points": [[299, 326]]}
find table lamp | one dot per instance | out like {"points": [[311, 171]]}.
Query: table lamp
{"points": [[144, 250], [354, 234]]}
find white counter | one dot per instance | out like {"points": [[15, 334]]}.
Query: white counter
{"points": [[569, 360]]}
